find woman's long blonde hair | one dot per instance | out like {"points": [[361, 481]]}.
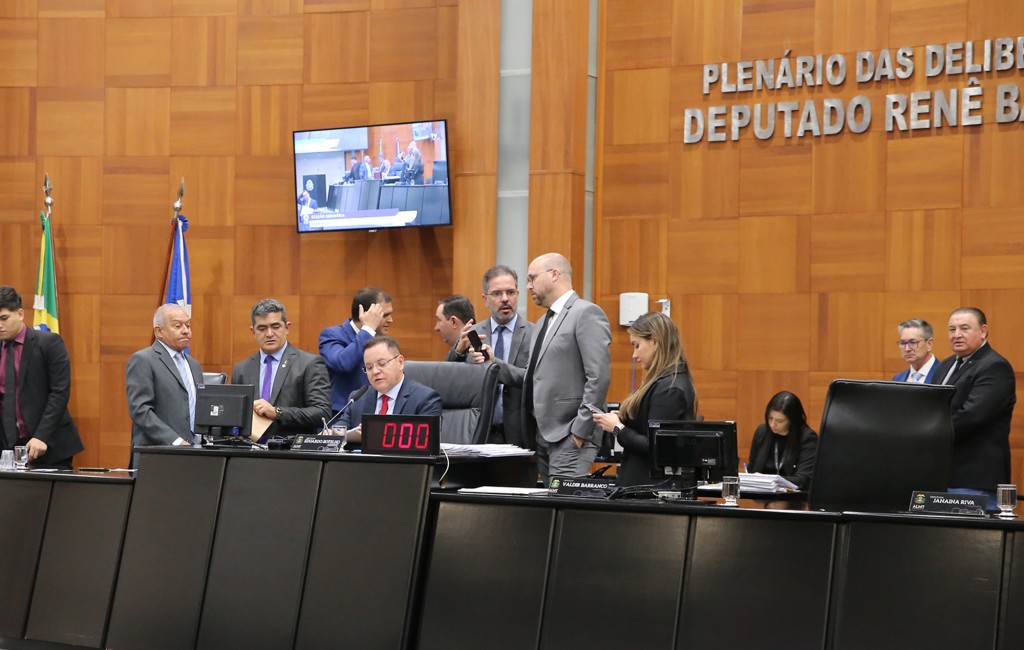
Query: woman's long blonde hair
{"points": [[668, 355]]}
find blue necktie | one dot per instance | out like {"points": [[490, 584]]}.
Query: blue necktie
{"points": [[179, 360]]}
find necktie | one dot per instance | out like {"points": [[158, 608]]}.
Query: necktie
{"points": [[499, 353], [916, 376], [268, 377], [956, 366], [10, 420], [383, 405], [528, 383], [186, 378]]}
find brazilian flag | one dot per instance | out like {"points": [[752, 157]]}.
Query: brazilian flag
{"points": [[45, 303]]}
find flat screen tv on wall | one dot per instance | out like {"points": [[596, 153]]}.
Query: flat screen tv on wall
{"points": [[370, 177]]}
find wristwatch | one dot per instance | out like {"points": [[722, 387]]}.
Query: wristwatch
{"points": [[617, 429], [279, 411]]}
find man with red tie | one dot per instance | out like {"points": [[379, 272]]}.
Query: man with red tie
{"points": [[390, 391], [35, 385]]}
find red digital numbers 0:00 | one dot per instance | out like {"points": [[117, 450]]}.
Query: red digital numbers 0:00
{"points": [[402, 436]]}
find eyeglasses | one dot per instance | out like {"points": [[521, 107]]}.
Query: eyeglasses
{"points": [[912, 343], [498, 295], [381, 365], [533, 276]]}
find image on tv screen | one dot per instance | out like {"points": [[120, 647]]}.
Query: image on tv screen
{"points": [[370, 177]]}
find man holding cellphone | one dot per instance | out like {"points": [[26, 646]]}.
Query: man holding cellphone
{"points": [[509, 336]]}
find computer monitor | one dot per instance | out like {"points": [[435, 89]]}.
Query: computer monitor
{"points": [[691, 451], [225, 410]]}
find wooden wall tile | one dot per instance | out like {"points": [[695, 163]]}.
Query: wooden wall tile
{"points": [[138, 8], [135, 259], [19, 9], [212, 46], [402, 101], [637, 181], [779, 332], [212, 263], [79, 254], [269, 7], [337, 48], [919, 22], [72, 8], [403, 45], [622, 240], [638, 112], [326, 106], [203, 121], [262, 194], [770, 27], [776, 179], [848, 252], [842, 26], [270, 50], [850, 173], [708, 327], [71, 52], [326, 6], [704, 256], [137, 121], [924, 172], [56, 108], [204, 7], [704, 181], [642, 37], [209, 188], [774, 254], [706, 31], [18, 113], [267, 115], [78, 188], [990, 150], [447, 42], [21, 192], [277, 269], [18, 46], [138, 52], [477, 90], [993, 249], [923, 250], [137, 190], [848, 332]]}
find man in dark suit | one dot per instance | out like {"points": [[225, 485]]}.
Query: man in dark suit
{"points": [[291, 385], [916, 346], [570, 365], [161, 381], [501, 293], [341, 346], [451, 316], [982, 405], [35, 382], [391, 392]]}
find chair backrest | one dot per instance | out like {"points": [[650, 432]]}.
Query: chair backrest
{"points": [[215, 377], [467, 394], [880, 441]]}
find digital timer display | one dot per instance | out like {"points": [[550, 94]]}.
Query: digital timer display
{"points": [[412, 435]]}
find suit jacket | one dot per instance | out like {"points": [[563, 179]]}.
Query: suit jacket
{"points": [[668, 398], [982, 408], [413, 399], [902, 376], [572, 367], [797, 467], [44, 388], [157, 397], [342, 351], [301, 390], [518, 356]]}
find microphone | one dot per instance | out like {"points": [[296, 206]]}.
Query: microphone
{"points": [[355, 396]]}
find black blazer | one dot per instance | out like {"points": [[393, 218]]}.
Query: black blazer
{"points": [[982, 407], [44, 380], [799, 468], [301, 390], [668, 398]]}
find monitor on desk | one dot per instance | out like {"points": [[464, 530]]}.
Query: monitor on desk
{"points": [[693, 451], [224, 410]]}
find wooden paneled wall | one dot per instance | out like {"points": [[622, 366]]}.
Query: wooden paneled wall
{"points": [[790, 262], [118, 99]]}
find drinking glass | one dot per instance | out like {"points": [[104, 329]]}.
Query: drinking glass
{"points": [[20, 457], [7, 459], [730, 490], [341, 431], [1006, 497]]}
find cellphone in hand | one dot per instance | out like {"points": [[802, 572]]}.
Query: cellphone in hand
{"points": [[477, 344], [593, 409]]}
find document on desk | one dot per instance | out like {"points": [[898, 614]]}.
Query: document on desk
{"points": [[507, 491], [765, 483], [485, 451]]}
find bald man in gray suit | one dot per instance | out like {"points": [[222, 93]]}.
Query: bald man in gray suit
{"points": [[569, 366]]}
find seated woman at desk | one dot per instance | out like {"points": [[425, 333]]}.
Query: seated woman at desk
{"points": [[666, 393], [784, 444]]}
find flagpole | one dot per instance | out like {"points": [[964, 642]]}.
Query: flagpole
{"points": [[44, 301], [170, 248]]}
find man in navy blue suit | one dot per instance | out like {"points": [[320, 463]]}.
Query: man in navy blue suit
{"points": [[916, 345], [391, 392], [341, 346]]}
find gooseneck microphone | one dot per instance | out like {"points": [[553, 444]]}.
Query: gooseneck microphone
{"points": [[351, 400]]}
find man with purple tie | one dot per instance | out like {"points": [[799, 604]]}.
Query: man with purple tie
{"points": [[292, 388]]}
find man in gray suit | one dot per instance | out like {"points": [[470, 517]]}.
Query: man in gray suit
{"points": [[161, 381], [501, 293], [569, 366], [291, 385]]}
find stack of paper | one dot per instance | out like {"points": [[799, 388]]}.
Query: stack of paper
{"points": [[488, 451], [765, 483]]}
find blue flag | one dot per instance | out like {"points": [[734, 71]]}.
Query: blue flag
{"points": [[179, 281]]}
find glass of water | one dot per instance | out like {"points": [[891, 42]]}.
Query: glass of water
{"points": [[1006, 497], [730, 490], [20, 457], [7, 459]]}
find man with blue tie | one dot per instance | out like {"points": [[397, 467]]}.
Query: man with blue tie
{"points": [[510, 337], [292, 388], [916, 346]]}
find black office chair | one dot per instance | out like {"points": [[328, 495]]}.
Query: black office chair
{"points": [[880, 441], [215, 377], [467, 395]]}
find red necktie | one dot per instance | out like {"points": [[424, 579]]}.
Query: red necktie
{"points": [[383, 405]]}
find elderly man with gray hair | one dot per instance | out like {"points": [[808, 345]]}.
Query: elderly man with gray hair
{"points": [[291, 385], [916, 347]]}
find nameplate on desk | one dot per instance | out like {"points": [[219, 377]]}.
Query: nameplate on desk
{"points": [[325, 444], [948, 503], [598, 488]]}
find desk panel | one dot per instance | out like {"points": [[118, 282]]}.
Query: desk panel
{"points": [[78, 562], [476, 548], [918, 586], [259, 553], [166, 552], [22, 519], [615, 580]]}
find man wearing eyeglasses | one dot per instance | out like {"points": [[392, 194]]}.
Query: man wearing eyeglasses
{"points": [[509, 337], [391, 392], [916, 347]]}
